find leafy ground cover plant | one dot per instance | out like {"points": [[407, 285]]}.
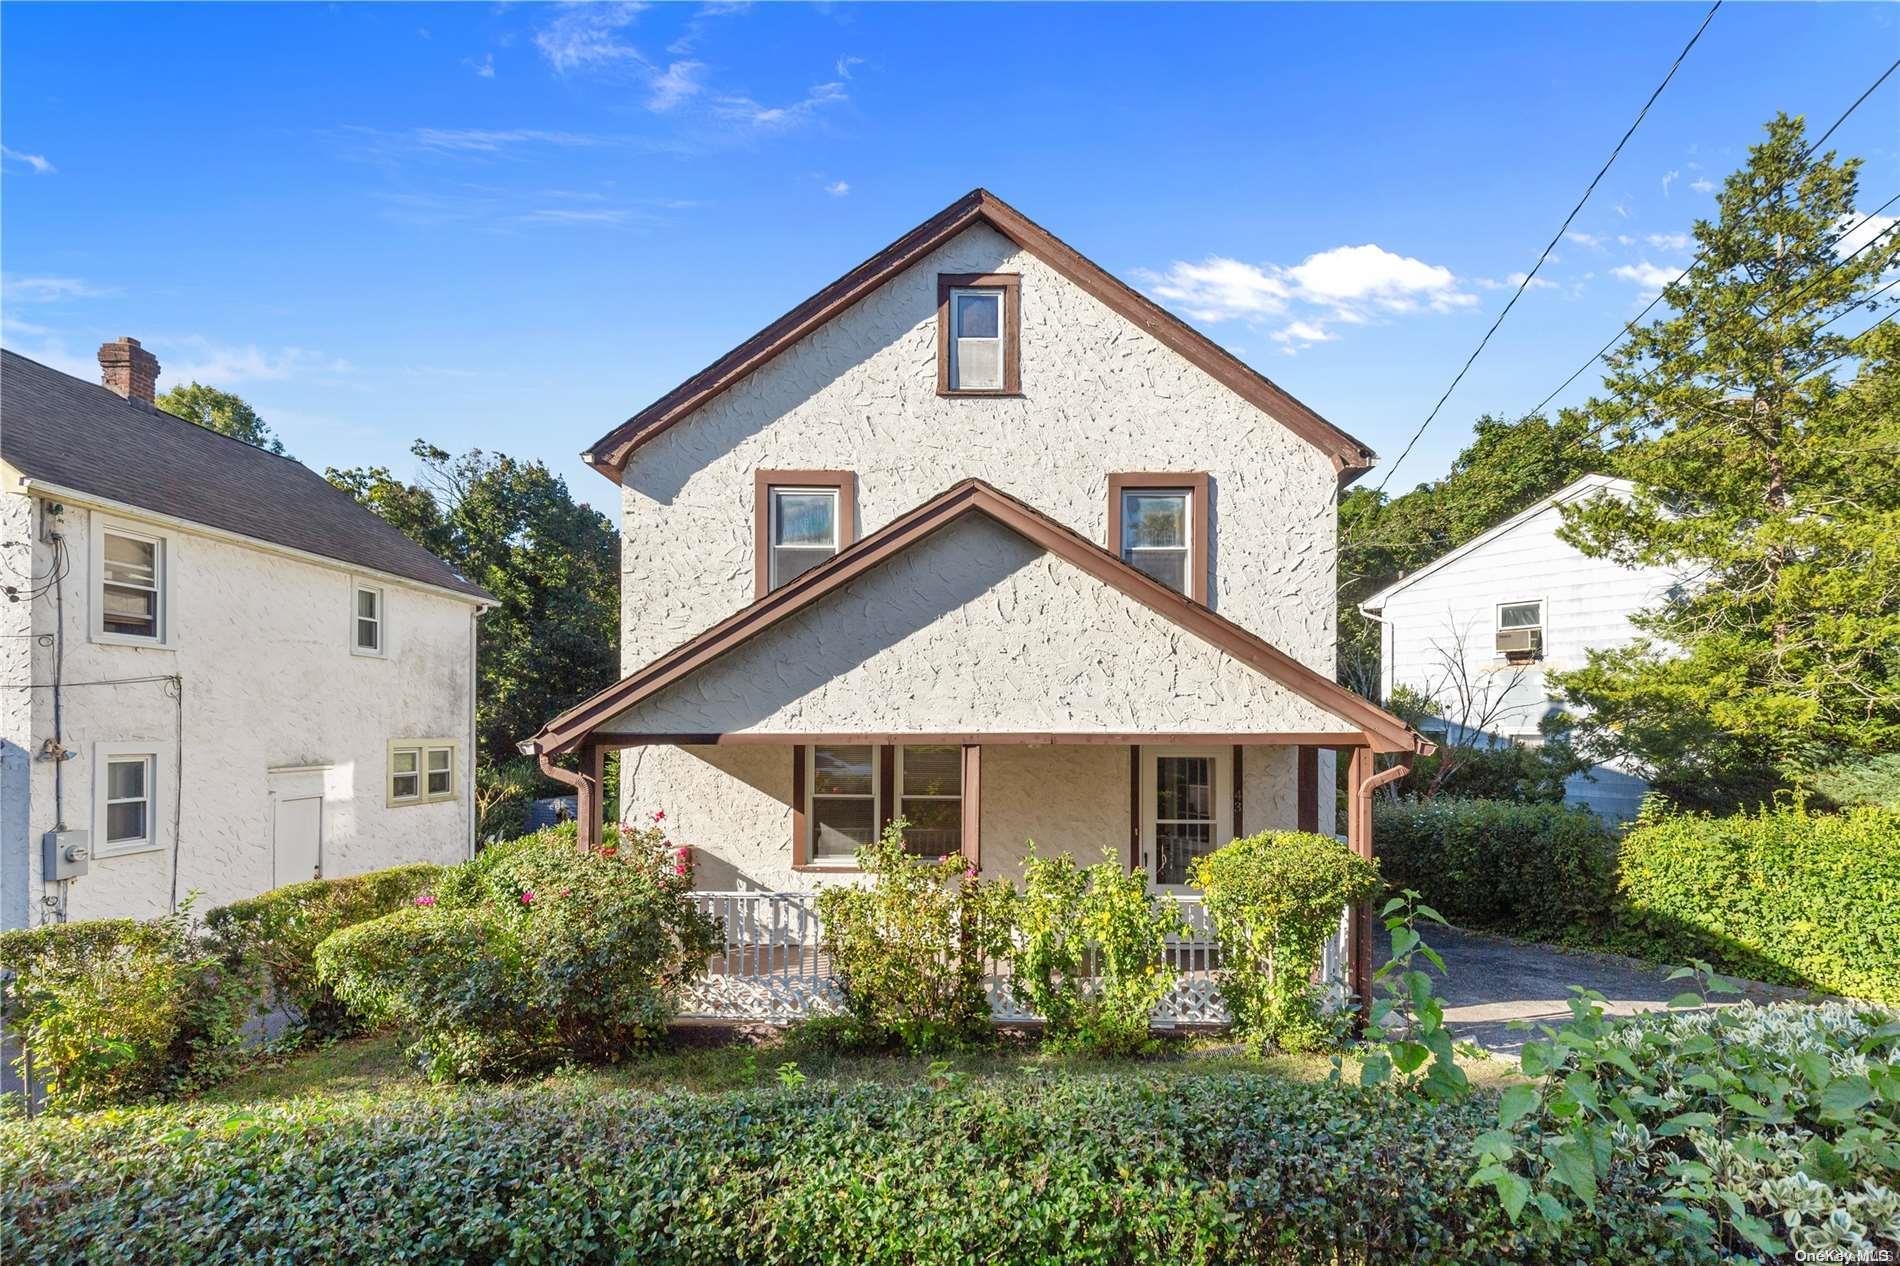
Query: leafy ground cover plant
{"points": [[535, 950], [1407, 1021], [1127, 1167], [1090, 953], [910, 949], [1274, 898], [112, 1011], [1763, 1131], [276, 934]]}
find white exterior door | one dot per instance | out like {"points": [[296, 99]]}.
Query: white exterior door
{"points": [[296, 809], [1187, 802]]}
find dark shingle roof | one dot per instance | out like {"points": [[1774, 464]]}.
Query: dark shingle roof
{"points": [[78, 435]]}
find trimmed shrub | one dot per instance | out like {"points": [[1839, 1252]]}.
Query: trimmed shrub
{"points": [[1211, 1169], [535, 950], [112, 1011], [910, 949], [1274, 898], [1090, 955], [1784, 895], [277, 934], [1540, 870]]}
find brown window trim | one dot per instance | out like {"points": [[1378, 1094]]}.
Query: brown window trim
{"points": [[763, 481], [1011, 284], [1196, 483]]}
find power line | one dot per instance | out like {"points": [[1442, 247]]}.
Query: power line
{"points": [[1551, 245]]}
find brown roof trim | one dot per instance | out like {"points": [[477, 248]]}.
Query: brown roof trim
{"points": [[609, 454], [1383, 730]]}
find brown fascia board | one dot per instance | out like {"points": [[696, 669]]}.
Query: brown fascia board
{"points": [[610, 453], [1383, 730]]}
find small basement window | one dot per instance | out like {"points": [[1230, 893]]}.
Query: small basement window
{"points": [[979, 326], [367, 638]]}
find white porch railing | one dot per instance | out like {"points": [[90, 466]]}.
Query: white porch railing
{"points": [[771, 964]]}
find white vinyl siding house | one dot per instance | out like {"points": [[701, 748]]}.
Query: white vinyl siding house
{"points": [[1512, 606]]}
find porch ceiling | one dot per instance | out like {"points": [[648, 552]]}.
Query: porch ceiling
{"points": [[976, 618]]}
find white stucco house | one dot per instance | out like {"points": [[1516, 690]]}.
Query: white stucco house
{"points": [[1479, 629], [979, 537], [221, 674]]}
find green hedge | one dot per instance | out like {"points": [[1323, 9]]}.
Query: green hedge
{"points": [[1783, 895], [1119, 1168], [1532, 869], [277, 933]]}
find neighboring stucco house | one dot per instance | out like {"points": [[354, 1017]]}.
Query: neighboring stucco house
{"points": [[979, 537], [220, 673], [1479, 629]]}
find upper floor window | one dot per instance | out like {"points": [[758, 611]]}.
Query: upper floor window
{"points": [[1521, 630], [803, 517], [129, 589], [366, 637], [979, 325], [1158, 524]]}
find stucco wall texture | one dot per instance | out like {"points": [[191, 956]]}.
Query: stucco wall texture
{"points": [[262, 643], [974, 629]]}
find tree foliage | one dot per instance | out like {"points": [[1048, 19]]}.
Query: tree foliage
{"points": [[223, 412], [1770, 483], [512, 527]]}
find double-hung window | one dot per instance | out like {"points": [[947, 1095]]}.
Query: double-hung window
{"points": [[803, 518], [129, 590], [1158, 524], [979, 323], [844, 808], [366, 632], [930, 798], [421, 771], [126, 809]]}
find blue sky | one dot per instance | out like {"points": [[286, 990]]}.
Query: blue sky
{"points": [[511, 226]]}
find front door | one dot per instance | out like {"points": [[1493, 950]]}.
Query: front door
{"points": [[1186, 810], [297, 836]]}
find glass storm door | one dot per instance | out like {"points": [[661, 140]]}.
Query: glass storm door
{"points": [[1187, 810]]}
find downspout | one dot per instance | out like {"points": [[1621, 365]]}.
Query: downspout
{"points": [[1360, 811], [531, 748]]}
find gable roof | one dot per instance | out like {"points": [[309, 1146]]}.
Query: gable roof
{"points": [[974, 496], [1587, 486], [81, 438], [609, 454]]}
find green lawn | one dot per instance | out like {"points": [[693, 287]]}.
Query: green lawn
{"points": [[712, 1059]]}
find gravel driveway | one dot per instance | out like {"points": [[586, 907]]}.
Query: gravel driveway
{"points": [[1493, 981]]}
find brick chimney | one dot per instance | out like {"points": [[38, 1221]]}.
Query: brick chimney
{"points": [[129, 369]]}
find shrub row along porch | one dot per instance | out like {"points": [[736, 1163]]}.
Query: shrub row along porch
{"points": [[992, 677]]}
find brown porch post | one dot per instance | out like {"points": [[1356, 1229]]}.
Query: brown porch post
{"points": [[588, 807], [973, 805], [1308, 802]]}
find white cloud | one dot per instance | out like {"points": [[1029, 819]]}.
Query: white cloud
{"points": [[587, 35], [1304, 334], [1863, 230], [577, 215], [838, 188], [38, 162], [846, 63], [1647, 275], [1218, 289], [1590, 240], [18, 289], [1353, 276], [195, 358], [484, 141], [679, 82], [743, 109], [1669, 178], [1529, 282], [1622, 208], [1669, 241], [485, 68], [696, 29], [1702, 186]]}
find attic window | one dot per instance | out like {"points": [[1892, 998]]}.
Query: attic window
{"points": [[979, 334], [1159, 524], [800, 519]]}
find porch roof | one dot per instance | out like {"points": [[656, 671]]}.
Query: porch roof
{"points": [[976, 618]]}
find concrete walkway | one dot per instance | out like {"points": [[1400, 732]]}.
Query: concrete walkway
{"points": [[1493, 981]]}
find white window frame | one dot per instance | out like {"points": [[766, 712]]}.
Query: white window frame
{"points": [[1185, 549], [897, 789], [812, 858], [102, 755], [1001, 295], [161, 564], [1543, 613], [381, 649], [773, 493], [424, 750]]}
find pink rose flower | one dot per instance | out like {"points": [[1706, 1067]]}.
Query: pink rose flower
{"points": [[527, 898], [426, 899]]}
